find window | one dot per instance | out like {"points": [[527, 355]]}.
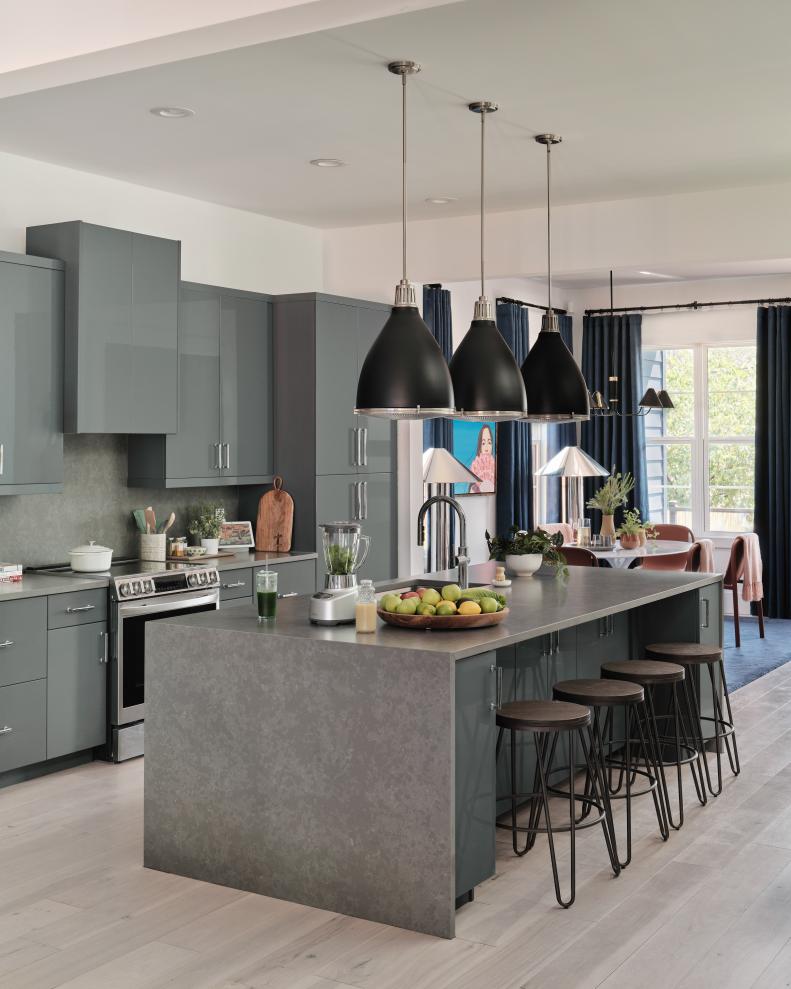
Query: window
{"points": [[701, 454]]}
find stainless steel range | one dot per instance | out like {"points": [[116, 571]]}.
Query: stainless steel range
{"points": [[139, 593]]}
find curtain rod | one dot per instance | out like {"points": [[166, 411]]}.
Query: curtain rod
{"points": [[686, 305], [532, 305]]}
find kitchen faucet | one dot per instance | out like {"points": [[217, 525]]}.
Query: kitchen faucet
{"points": [[461, 559]]}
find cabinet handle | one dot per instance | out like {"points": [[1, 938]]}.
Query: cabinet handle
{"points": [[215, 464], [6, 730], [364, 432], [227, 456], [356, 508], [6, 644], [2, 457], [356, 452], [236, 583], [498, 688], [291, 594], [82, 607], [704, 608], [364, 487], [103, 639]]}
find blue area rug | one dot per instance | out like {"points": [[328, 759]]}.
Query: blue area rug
{"points": [[756, 656]]}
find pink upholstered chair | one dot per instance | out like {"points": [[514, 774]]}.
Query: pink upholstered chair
{"points": [[577, 556], [733, 576], [673, 531], [688, 559]]}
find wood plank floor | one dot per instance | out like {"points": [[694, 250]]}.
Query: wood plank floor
{"points": [[712, 907]]}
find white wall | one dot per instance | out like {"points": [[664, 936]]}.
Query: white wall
{"points": [[220, 246]]}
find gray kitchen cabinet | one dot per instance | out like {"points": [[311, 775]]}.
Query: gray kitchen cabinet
{"points": [[298, 577], [226, 398], [23, 724], [605, 640], [475, 738], [23, 640], [121, 326], [31, 375], [76, 689], [236, 584], [77, 608], [334, 463]]}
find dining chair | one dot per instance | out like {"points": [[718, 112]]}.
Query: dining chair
{"points": [[674, 531], [734, 575], [687, 559], [576, 556]]}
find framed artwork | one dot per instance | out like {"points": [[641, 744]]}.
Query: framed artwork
{"points": [[475, 445], [237, 535]]}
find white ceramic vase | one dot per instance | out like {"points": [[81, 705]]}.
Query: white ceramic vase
{"points": [[524, 565], [212, 546]]}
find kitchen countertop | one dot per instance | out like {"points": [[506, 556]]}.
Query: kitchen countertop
{"points": [[246, 558], [34, 585], [538, 605]]}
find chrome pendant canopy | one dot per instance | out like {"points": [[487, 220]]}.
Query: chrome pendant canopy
{"points": [[487, 383], [404, 375], [556, 390]]}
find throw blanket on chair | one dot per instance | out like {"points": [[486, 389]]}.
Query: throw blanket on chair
{"points": [[753, 588], [564, 527]]}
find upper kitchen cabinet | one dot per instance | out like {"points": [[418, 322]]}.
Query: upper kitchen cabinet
{"points": [[226, 406], [31, 375], [121, 342]]}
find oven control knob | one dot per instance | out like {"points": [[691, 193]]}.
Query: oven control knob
{"points": [[192, 580], [123, 590], [214, 577], [136, 587], [148, 586], [202, 576]]}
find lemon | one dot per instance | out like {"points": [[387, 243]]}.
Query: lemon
{"points": [[469, 608]]}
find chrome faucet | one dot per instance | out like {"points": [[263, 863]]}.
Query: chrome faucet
{"points": [[462, 559]]}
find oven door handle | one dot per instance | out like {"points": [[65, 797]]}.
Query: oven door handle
{"points": [[131, 610]]}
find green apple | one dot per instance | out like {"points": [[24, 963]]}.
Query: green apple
{"points": [[488, 606], [446, 608], [426, 609], [408, 607], [451, 592], [431, 596], [390, 602]]}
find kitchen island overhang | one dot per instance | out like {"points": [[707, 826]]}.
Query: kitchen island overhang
{"points": [[355, 773]]}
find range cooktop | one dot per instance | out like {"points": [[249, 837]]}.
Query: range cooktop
{"points": [[121, 568]]}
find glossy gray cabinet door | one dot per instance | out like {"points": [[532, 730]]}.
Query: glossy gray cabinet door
{"points": [[31, 376], [377, 441], [236, 584], [377, 512], [23, 724], [23, 640], [246, 388], [194, 451], [76, 689], [336, 388], [154, 353]]}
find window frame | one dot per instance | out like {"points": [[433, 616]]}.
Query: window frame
{"points": [[701, 442]]}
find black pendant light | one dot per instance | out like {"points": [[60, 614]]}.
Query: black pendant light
{"points": [[404, 375], [556, 389], [487, 382]]}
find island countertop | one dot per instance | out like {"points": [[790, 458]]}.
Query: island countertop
{"points": [[538, 605]]}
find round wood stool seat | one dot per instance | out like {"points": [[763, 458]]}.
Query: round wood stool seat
{"points": [[685, 653], [543, 716], [599, 693], [643, 671]]}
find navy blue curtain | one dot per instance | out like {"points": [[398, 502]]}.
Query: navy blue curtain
{"points": [[611, 345], [563, 434], [514, 498], [773, 456]]}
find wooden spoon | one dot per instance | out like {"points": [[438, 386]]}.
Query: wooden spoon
{"points": [[170, 521], [151, 520]]}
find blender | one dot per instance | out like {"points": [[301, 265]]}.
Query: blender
{"points": [[345, 550]]}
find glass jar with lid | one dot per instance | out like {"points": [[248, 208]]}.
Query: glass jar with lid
{"points": [[365, 609]]}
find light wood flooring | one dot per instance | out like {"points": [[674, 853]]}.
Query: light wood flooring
{"points": [[712, 907]]}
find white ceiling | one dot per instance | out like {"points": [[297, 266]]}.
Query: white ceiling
{"points": [[651, 98]]}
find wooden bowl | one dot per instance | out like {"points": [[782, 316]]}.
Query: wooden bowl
{"points": [[442, 623]]}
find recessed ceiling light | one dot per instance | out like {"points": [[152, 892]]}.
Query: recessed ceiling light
{"points": [[441, 200], [171, 112], [327, 162]]}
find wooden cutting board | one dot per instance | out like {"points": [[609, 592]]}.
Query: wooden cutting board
{"points": [[275, 520]]}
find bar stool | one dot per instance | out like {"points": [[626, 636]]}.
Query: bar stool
{"points": [[650, 675], [603, 697], [690, 655], [545, 721]]}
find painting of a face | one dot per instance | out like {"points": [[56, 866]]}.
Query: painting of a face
{"points": [[474, 444]]}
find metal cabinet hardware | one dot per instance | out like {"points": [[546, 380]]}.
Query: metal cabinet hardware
{"points": [[498, 696], [364, 489], [82, 607], [704, 613], [103, 639], [6, 730], [2, 457], [224, 456], [291, 594], [216, 462], [357, 452], [236, 583], [6, 644], [364, 448], [606, 626]]}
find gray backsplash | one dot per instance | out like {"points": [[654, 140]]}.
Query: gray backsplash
{"points": [[95, 504]]}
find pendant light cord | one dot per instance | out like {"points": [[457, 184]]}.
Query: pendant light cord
{"points": [[483, 209], [403, 176], [549, 233]]}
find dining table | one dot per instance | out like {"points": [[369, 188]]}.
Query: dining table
{"points": [[623, 558]]}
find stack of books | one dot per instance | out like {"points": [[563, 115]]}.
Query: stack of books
{"points": [[10, 573]]}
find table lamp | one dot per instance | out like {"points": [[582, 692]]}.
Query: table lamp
{"points": [[571, 462]]}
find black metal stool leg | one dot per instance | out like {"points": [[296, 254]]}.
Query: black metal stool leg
{"points": [[692, 732], [649, 758], [656, 744], [600, 793], [542, 772], [600, 765]]}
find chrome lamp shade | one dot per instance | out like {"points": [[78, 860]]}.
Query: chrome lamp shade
{"points": [[572, 464], [441, 467]]}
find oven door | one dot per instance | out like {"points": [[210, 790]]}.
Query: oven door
{"points": [[129, 661]]}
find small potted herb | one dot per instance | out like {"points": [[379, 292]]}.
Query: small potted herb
{"points": [[524, 552], [612, 495], [630, 529], [205, 524]]}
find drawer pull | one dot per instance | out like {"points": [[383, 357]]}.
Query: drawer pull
{"points": [[291, 594], [82, 607], [236, 583], [6, 730], [6, 644]]}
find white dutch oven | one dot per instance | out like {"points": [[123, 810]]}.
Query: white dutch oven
{"points": [[91, 558]]}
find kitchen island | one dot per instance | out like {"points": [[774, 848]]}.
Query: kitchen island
{"points": [[356, 773]]}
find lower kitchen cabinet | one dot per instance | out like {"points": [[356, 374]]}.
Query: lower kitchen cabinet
{"points": [[23, 724], [76, 689], [23, 640], [235, 584]]}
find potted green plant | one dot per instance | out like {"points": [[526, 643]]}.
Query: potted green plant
{"points": [[612, 495], [205, 524], [630, 529], [524, 552]]}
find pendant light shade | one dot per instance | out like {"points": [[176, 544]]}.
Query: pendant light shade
{"points": [[556, 390], [487, 383], [404, 375]]}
